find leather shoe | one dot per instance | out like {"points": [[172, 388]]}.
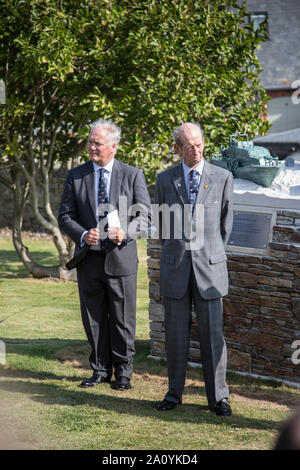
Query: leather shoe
{"points": [[167, 405], [94, 380], [222, 408], [122, 383]]}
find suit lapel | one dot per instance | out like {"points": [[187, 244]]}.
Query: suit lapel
{"points": [[89, 179], [204, 187], [115, 183], [179, 183], [205, 184]]}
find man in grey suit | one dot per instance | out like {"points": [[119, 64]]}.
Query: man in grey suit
{"points": [[193, 265], [106, 257]]}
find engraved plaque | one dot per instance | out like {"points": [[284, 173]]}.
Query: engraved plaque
{"points": [[250, 229]]}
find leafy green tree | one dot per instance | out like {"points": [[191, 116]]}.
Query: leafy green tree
{"points": [[186, 60], [148, 65], [50, 59]]}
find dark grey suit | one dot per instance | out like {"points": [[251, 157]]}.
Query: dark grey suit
{"points": [[106, 281], [198, 275]]}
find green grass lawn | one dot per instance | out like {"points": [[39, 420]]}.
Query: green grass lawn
{"points": [[42, 406]]}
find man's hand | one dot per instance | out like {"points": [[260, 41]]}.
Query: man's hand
{"points": [[116, 234], [91, 237]]}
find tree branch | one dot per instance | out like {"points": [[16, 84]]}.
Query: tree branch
{"points": [[6, 183]]}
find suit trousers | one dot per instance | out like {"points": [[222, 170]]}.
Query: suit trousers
{"points": [[108, 310], [212, 344]]}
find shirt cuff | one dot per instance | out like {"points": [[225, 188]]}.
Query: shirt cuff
{"points": [[82, 243]]}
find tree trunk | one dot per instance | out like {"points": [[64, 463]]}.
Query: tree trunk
{"points": [[34, 268], [14, 180], [37, 270]]}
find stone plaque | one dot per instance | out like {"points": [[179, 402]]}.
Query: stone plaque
{"points": [[250, 229]]}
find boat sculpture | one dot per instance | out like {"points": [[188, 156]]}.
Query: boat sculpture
{"points": [[248, 161]]}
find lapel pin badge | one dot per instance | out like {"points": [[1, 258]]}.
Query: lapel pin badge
{"points": [[205, 186]]}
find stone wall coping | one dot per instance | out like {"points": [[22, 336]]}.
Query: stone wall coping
{"points": [[245, 374]]}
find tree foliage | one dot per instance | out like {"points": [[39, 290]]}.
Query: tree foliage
{"points": [[148, 65], [178, 61]]}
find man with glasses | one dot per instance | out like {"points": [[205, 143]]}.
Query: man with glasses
{"points": [[106, 254]]}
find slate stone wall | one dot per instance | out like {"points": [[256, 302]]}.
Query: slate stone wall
{"points": [[261, 311]]}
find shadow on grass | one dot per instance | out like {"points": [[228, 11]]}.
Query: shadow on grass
{"points": [[52, 394], [12, 267], [45, 349], [73, 354]]}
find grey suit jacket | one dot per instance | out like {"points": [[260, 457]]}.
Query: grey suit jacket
{"points": [[77, 212], [213, 228]]}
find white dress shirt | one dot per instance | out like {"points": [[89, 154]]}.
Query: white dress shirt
{"points": [[107, 177], [187, 173]]}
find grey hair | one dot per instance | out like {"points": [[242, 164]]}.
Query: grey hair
{"points": [[113, 131], [177, 132]]}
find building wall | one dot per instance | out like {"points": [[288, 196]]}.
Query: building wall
{"points": [[280, 60], [280, 55], [283, 114]]}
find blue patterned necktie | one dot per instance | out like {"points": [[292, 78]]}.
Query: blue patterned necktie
{"points": [[103, 199], [194, 186]]}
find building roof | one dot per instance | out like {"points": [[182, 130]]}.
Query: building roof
{"points": [[281, 144]]}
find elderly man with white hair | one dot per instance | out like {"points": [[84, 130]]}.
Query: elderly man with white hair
{"points": [[106, 254], [193, 265]]}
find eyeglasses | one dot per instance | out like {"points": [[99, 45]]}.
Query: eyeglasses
{"points": [[91, 143]]}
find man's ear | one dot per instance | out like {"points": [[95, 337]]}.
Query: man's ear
{"points": [[177, 149]]}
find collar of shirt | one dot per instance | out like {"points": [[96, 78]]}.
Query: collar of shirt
{"points": [[187, 170], [107, 167], [107, 176]]}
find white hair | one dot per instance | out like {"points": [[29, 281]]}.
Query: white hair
{"points": [[177, 133], [113, 131]]}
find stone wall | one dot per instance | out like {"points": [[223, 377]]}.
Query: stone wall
{"points": [[261, 311]]}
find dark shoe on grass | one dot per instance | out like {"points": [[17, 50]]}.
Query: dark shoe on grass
{"points": [[122, 383], [222, 408], [94, 380], [167, 405]]}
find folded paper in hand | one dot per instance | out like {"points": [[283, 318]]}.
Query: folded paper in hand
{"points": [[113, 220]]}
